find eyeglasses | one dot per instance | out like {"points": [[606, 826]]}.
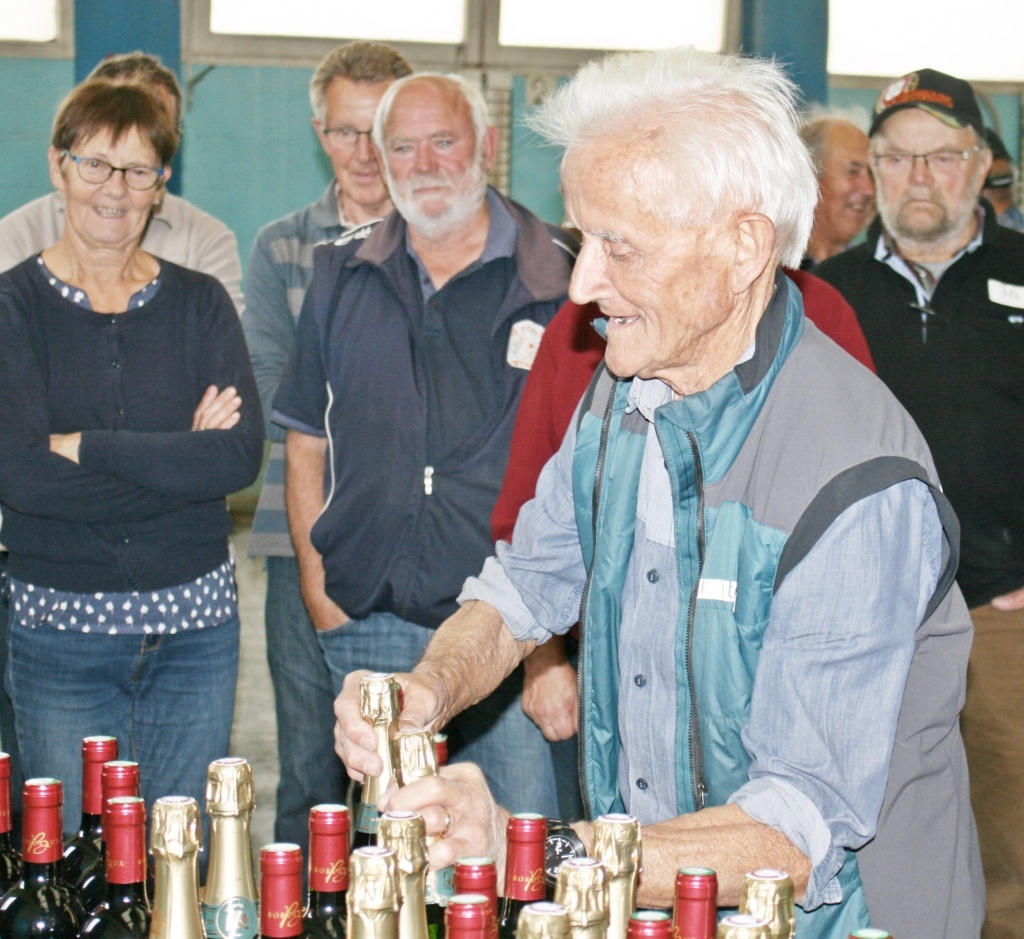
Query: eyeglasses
{"points": [[942, 162], [346, 138], [92, 170]]}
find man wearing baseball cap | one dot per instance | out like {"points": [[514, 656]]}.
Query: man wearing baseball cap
{"points": [[1001, 184], [938, 288]]}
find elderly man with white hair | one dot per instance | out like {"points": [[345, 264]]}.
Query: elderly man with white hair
{"points": [[747, 525]]}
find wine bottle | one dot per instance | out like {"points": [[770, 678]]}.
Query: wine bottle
{"points": [[416, 757], [524, 869], [378, 706], [479, 875], [649, 924], [441, 748], [468, 916], [543, 920], [125, 912], [229, 896], [10, 859], [281, 887], [405, 834], [40, 904], [373, 894], [175, 844], [328, 871], [694, 914], [582, 888], [617, 846], [119, 779], [768, 894], [82, 853]]}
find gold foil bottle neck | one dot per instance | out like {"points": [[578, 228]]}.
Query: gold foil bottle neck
{"points": [[768, 894], [229, 789], [617, 844], [405, 833], [378, 698], [373, 880], [415, 754], [543, 921], [176, 830], [582, 888], [742, 926]]}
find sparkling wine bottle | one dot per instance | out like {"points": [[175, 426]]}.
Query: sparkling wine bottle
{"points": [[281, 888], [405, 834], [617, 846], [10, 860], [378, 706], [524, 869], [229, 895], [582, 888], [40, 905], [328, 871], [543, 920], [175, 844], [125, 912], [82, 853], [373, 894], [119, 779]]}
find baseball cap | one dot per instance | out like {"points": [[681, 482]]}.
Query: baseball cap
{"points": [[949, 99]]}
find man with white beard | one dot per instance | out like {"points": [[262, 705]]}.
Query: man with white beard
{"points": [[412, 349], [938, 288]]}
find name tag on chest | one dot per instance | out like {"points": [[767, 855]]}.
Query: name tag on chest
{"points": [[1006, 294]]}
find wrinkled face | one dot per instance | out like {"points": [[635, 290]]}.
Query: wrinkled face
{"points": [[436, 172], [925, 204], [846, 190], [107, 214], [665, 290], [349, 108]]}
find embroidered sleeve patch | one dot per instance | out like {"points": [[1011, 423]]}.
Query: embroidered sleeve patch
{"points": [[1006, 294], [522, 344]]}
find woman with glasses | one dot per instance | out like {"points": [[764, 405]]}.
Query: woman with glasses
{"points": [[128, 411]]}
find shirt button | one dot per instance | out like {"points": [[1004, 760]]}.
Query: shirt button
{"points": [[639, 681], [125, 540], [115, 364], [641, 784], [120, 410], [653, 576]]}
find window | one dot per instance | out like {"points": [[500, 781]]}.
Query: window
{"points": [[36, 28]]}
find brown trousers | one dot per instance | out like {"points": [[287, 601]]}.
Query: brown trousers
{"points": [[992, 724]]}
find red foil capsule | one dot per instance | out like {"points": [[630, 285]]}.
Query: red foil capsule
{"points": [[95, 752], [694, 915], [468, 916], [524, 866], [281, 891], [649, 924], [328, 848], [5, 793], [124, 830], [42, 838]]}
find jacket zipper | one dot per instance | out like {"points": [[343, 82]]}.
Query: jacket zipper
{"points": [[595, 505], [699, 788]]}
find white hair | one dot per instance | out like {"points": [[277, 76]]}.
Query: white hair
{"points": [[728, 126], [455, 83]]}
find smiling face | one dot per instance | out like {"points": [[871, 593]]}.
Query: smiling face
{"points": [[106, 215], [665, 290], [847, 192], [436, 172], [924, 206], [349, 104]]}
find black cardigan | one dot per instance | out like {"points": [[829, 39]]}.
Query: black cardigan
{"points": [[145, 507]]}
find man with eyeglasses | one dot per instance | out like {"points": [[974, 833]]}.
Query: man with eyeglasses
{"points": [[177, 230], [344, 92], [939, 291], [411, 353]]}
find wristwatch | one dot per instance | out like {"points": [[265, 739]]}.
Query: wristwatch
{"points": [[561, 844]]}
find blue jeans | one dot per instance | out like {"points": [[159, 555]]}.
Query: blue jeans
{"points": [[521, 767], [311, 772], [168, 699]]}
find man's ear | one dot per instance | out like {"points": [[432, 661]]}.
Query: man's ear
{"points": [[753, 248], [489, 151]]}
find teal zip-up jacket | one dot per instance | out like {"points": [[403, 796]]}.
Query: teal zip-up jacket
{"points": [[760, 465]]}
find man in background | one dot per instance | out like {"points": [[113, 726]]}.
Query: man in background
{"points": [[846, 192], [344, 92], [177, 232], [1001, 184], [411, 353], [938, 287]]}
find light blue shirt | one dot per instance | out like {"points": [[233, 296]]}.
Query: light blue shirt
{"points": [[831, 672]]}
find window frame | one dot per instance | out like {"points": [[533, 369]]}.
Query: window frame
{"points": [[63, 47]]}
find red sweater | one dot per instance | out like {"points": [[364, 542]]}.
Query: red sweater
{"points": [[568, 355]]}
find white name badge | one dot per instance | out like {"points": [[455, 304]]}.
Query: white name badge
{"points": [[1006, 294], [523, 342], [724, 591]]}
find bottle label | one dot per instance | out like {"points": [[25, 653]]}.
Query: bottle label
{"points": [[367, 818], [440, 886], [235, 918]]}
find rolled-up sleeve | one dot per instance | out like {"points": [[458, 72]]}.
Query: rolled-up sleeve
{"points": [[537, 581], [831, 676]]}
